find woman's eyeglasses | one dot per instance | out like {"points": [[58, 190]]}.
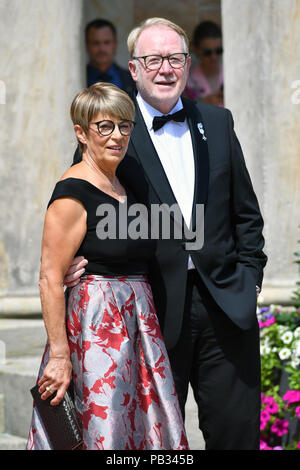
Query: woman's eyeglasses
{"points": [[210, 52], [106, 127]]}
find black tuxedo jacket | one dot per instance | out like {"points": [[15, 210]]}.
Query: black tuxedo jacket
{"points": [[231, 260]]}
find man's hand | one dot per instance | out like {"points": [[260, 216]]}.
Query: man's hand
{"points": [[75, 271]]}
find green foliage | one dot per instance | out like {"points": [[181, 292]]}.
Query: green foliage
{"points": [[280, 355]]}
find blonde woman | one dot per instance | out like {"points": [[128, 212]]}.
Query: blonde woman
{"points": [[110, 341]]}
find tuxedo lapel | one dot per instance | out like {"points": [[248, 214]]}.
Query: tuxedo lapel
{"points": [[141, 141], [201, 158]]}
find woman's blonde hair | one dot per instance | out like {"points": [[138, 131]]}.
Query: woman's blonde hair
{"points": [[135, 33], [104, 98]]}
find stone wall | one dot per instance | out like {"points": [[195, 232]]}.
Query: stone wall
{"points": [[41, 67], [261, 64]]}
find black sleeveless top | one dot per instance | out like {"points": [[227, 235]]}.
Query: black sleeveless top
{"points": [[119, 254]]}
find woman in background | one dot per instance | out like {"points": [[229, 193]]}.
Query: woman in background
{"points": [[205, 81]]}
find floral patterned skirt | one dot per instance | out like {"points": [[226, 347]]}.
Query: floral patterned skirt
{"points": [[123, 385]]}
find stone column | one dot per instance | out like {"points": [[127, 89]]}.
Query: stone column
{"points": [[262, 66], [40, 71]]}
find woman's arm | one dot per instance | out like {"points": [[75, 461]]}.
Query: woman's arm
{"points": [[64, 230]]}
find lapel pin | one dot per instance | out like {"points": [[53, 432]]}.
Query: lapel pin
{"points": [[201, 130]]}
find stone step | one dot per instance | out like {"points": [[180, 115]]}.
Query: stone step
{"points": [[9, 442], [21, 337], [22, 342], [17, 377], [2, 419]]}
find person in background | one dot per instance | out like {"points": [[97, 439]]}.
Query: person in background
{"points": [[101, 45], [205, 82]]}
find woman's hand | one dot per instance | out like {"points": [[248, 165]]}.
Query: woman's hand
{"points": [[76, 269], [57, 375]]}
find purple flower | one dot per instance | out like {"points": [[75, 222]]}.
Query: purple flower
{"points": [[280, 427], [264, 309], [292, 396], [269, 315], [277, 448], [298, 446]]}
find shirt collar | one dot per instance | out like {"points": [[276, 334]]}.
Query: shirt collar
{"points": [[148, 112]]}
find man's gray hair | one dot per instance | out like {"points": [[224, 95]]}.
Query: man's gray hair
{"points": [[135, 33]]}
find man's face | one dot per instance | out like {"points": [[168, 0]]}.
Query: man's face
{"points": [[160, 88], [101, 46]]}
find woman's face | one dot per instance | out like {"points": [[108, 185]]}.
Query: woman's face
{"points": [[107, 139], [208, 52]]}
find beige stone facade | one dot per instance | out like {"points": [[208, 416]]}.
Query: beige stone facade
{"points": [[261, 64], [42, 67]]}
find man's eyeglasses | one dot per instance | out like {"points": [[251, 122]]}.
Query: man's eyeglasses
{"points": [[106, 127], [154, 62], [210, 52]]}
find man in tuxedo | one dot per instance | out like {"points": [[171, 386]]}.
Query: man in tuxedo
{"points": [[205, 298], [101, 44]]}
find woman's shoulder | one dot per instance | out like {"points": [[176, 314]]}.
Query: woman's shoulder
{"points": [[75, 171], [71, 184]]}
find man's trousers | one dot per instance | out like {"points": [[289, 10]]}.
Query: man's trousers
{"points": [[222, 364]]}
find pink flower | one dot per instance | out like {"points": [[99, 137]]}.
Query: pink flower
{"points": [[277, 448], [298, 446], [297, 411], [272, 406], [267, 323], [264, 418], [280, 427], [264, 446], [292, 396], [263, 424]]}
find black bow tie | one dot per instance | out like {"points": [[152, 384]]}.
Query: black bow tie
{"points": [[160, 121]]}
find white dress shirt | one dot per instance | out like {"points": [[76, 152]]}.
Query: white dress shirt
{"points": [[173, 144]]}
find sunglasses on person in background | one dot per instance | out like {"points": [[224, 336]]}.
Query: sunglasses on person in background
{"points": [[106, 127], [210, 52]]}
